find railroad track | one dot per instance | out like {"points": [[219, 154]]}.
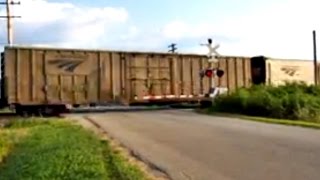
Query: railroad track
{"points": [[118, 108], [7, 116]]}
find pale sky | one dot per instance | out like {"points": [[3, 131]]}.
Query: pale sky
{"points": [[273, 28]]}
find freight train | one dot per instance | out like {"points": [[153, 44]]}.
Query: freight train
{"points": [[38, 80]]}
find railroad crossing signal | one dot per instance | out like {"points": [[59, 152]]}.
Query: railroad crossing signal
{"points": [[211, 73], [173, 47], [212, 51]]}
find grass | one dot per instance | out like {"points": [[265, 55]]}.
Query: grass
{"points": [[7, 140], [299, 123], [5, 110], [56, 149]]}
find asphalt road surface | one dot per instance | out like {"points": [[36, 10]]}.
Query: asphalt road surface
{"points": [[199, 147]]}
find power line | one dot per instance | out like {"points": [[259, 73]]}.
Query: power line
{"points": [[9, 18]]}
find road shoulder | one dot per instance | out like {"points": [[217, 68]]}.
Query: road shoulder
{"points": [[261, 119], [151, 171]]}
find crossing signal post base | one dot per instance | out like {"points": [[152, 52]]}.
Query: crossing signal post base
{"points": [[213, 92], [205, 104]]}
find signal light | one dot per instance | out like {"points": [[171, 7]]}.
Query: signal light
{"points": [[220, 73], [211, 73]]}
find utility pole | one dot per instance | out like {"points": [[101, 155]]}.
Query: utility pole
{"points": [[173, 47], [9, 17], [315, 58]]}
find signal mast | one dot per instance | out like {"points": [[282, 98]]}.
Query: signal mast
{"points": [[212, 72]]}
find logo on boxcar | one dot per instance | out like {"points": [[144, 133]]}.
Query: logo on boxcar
{"points": [[66, 64], [290, 70]]}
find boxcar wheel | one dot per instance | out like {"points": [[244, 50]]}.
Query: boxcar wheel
{"points": [[92, 105], [76, 105], [53, 110], [23, 111]]}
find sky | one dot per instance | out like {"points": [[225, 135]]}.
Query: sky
{"points": [[273, 28]]}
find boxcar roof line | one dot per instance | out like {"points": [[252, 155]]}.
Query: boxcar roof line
{"points": [[46, 48]]}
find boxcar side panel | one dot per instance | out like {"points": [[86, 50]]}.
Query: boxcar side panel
{"points": [[117, 76], [162, 70], [110, 78], [195, 80], [10, 68], [106, 76], [20, 73], [150, 76], [231, 74], [186, 73], [178, 80], [247, 77], [187, 79], [279, 71], [125, 74], [165, 71], [237, 72], [39, 79], [138, 76], [242, 72], [174, 75]]}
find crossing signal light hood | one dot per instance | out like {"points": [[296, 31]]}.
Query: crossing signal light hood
{"points": [[220, 73], [209, 72], [213, 72]]}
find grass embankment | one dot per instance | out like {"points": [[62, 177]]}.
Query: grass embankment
{"points": [[291, 103], [57, 149]]}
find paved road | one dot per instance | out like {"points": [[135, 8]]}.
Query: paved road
{"points": [[192, 146]]}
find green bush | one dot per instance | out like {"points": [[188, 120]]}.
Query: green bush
{"points": [[295, 101]]}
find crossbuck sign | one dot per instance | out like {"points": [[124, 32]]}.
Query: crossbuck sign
{"points": [[212, 54]]}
